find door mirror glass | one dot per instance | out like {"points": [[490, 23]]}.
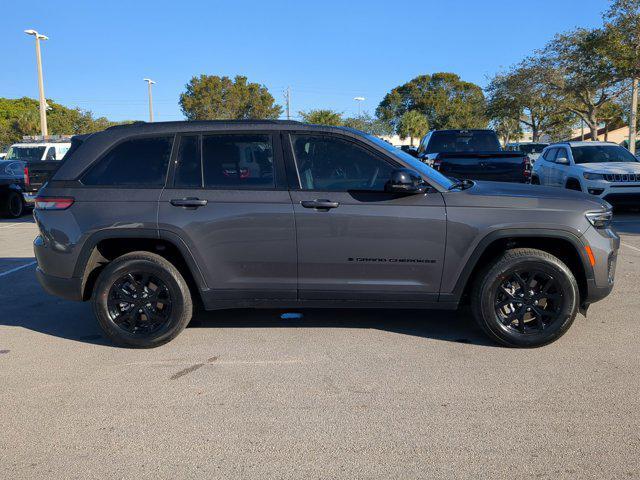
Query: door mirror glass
{"points": [[405, 180]]}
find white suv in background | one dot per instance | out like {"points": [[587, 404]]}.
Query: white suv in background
{"points": [[600, 168]]}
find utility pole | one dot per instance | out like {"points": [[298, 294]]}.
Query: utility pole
{"points": [[149, 83], [43, 101], [633, 116], [287, 97]]}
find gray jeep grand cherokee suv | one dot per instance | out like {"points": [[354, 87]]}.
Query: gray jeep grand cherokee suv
{"points": [[148, 220]]}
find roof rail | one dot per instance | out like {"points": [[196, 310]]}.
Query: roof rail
{"points": [[174, 122]]}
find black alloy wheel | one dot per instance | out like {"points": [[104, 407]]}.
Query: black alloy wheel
{"points": [[529, 301], [139, 303]]}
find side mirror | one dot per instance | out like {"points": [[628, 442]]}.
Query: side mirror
{"points": [[405, 180], [562, 161]]}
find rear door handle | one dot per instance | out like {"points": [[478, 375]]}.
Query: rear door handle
{"points": [[188, 202], [319, 204]]}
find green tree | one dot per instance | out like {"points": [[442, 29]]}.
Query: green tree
{"points": [[622, 26], [526, 93], [322, 117], [445, 99], [20, 116], [413, 124], [588, 79], [209, 97], [507, 128], [369, 124]]}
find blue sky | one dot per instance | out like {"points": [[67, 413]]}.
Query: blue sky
{"points": [[327, 51]]}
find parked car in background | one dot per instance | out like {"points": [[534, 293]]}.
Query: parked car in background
{"points": [[604, 169], [41, 160], [531, 149], [147, 220], [12, 204], [473, 154]]}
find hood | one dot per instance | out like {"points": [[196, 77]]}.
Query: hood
{"points": [[610, 167], [519, 195]]}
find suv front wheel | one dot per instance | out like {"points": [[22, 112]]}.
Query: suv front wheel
{"points": [[141, 300], [525, 298]]}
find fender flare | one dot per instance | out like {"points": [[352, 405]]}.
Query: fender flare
{"points": [[146, 233], [491, 237]]}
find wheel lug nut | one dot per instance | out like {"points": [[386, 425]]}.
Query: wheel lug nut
{"points": [[528, 309]]}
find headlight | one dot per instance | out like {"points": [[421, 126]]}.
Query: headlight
{"points": [[600, 219], [593, 176]]}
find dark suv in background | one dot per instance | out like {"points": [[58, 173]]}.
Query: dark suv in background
{"points": [[148, 219]]}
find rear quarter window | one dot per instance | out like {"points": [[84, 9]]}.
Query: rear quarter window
{"points": [[140, 162]]}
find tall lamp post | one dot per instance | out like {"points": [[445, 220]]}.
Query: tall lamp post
{"points": [[149, 83], [359, 100], [43, 102]]}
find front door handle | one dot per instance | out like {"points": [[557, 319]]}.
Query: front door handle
{"points": [[319, 204], [188, 202]]}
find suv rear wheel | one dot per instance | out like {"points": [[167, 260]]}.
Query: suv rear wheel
{"points": [[526, 298], [141, 300]]}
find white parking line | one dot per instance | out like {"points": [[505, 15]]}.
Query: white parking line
{"points": [[17, 268], [631, 246]]}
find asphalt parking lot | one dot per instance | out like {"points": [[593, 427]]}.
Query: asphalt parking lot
{"points": [[337, 394]]}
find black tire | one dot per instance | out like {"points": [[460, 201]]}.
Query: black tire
{"points": [[493, 305], [12, 205], [125, 318], [535, 180]]}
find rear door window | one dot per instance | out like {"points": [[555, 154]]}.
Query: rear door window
{"points": [[139, 162], [238, 161]]}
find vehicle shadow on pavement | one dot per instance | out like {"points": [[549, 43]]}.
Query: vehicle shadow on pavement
{"points": [[22, 219], [445, 325]]}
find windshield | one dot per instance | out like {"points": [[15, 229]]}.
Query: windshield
{"points": [[602, 154], [463, 141], [414, 163], [532, 147], [26, 154]]}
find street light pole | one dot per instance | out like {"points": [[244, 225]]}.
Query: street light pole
{"points": [[359, 100], [149, 83], [633, 116], [43, 101]]}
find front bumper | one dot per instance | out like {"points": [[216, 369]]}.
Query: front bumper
{"points": [[67, 288]]}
